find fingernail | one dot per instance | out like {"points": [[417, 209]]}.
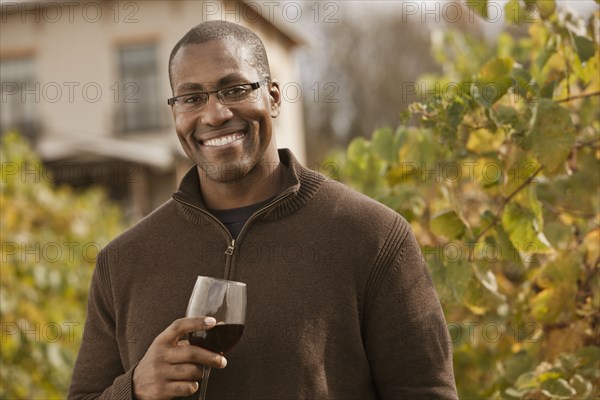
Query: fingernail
{"points": [[223, 362], [210, 321]]}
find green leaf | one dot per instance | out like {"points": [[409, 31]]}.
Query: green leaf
{"points": [[455, 114], [384, 145], [548, 50], [514, 12], [582, 386], [589, 355], [546, 8], [547, 91], [551, 136], [524, 85], [358, 149], [514, 393], [509, 116], [563, 271], [439, 275], [448, 224], [458, 274], [513, 268], [493, 81], [527, 380], [554, 304], [557, 389], [585, 48], [479, 6], [496, 67], [450, 273], [536, 206], [518, 368], [523, 230]]}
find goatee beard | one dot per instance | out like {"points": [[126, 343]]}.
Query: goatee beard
{"points": [[228, 172]]}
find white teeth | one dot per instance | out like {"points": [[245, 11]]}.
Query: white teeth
{"points": [[223, 140]]}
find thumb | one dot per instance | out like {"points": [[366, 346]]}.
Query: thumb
{"points": [[182, 326]]}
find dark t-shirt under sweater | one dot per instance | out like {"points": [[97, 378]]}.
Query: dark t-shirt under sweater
{"points": [[235, 218]]}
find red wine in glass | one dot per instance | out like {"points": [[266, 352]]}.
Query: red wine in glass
{"points": [[219, 339], [225, 301]]}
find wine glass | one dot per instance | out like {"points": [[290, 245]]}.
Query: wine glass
{"points": [[225, 301]]}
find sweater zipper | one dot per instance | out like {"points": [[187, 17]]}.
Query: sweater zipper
{"points": [[231, 246]]}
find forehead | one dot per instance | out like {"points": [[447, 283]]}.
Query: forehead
{"points": [[207, 64]]}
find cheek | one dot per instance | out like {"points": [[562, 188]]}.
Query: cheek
{"points": [[183, 124]]}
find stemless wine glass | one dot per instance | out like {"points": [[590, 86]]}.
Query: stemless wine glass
{"points": [[225, 301]]}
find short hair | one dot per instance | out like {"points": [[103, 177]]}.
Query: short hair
{"points": [[215, 30]]}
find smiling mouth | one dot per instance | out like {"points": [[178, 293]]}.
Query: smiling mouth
{"points": [[223, 140]]}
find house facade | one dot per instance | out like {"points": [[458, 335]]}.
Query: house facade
{"points": [[87, 81]]}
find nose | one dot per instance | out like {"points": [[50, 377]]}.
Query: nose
{"points": [[215, 113]]}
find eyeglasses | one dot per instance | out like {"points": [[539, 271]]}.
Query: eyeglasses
{"points": [[227, 96]]}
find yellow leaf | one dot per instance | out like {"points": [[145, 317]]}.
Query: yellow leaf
{"points": [[591, 243]]}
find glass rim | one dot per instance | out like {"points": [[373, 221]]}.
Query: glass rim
{"points": [[220, 280], [254, 86]]}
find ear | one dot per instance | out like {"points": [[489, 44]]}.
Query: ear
{"points": [[275, 98]]}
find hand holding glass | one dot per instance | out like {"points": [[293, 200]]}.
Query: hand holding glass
{"points": [[225, 301]]}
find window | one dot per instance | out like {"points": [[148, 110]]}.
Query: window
{"points": [[20, 95], [138, 107]]}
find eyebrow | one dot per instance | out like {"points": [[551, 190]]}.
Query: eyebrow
{"points": [[233, 78]]}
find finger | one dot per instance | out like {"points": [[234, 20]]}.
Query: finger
{"points": [[195, 355], [186, 372], [182, 326], [181, 388]]}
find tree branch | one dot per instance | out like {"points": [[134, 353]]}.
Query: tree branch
{"points": [[587, 142], [578, 96]]}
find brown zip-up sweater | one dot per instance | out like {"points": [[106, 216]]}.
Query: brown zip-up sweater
{"points": [[340, 303]]}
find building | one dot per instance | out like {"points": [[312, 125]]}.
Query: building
{"points": [[87, 83]]}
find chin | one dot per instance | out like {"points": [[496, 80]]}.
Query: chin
{"points": [[228, 172]]}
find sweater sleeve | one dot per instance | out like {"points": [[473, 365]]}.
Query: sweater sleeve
{"points": [[98, 371], [405, 333]]}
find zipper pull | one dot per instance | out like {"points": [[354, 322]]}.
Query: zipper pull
{"points": [[229, 250]]}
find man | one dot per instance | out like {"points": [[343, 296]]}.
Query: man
{"points": [[340, 304]]}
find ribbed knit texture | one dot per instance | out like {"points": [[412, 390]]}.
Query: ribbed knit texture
{"points": [[340, 304]]}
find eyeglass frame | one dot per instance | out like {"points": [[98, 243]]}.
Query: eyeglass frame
{"points": [[255, 85]]}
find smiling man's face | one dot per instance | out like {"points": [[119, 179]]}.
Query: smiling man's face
{"points": [[227, 142]]}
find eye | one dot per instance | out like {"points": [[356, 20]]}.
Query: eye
{"points": [[235, 92], [192, 99]]}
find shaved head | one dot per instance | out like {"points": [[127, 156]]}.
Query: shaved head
{"points": [[215, 30]]}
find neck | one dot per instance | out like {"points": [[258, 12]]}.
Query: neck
{"points": [[262, 183]]}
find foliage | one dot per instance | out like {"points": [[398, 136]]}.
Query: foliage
{"points": [[499, 176], [50, 239]]}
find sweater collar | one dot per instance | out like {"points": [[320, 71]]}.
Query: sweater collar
{"points": [[300, 186]]}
